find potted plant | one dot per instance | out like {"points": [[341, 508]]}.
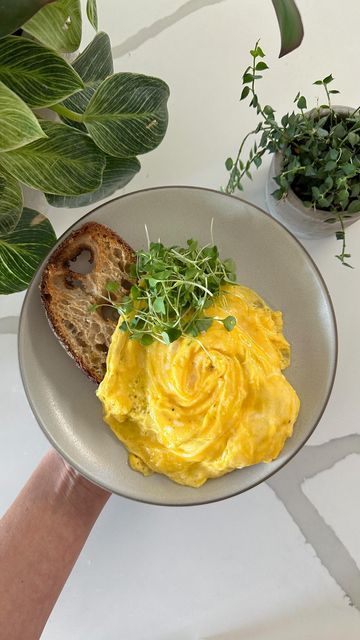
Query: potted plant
{"points": [[314, 180], [104, 120]]}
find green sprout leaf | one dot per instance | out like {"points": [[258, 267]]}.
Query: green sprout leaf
{"points": [[229, 323], [245, 92], [159, 305], [203, 324], [112, 286], [57, 25], [37, 75], [339, 131], [175, 285], [23, 249], [19, 126], [354, 206], [127, 115], [353, 138], [92, 308], [11, 203], [67, 162], [301, 103], [261, 66], [247, 78]]}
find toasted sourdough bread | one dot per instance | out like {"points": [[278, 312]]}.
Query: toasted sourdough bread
{"points": [[67, 294]]}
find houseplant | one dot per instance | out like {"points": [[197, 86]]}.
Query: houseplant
{"points": [[89, 153], [316, 165], [104, 120]]}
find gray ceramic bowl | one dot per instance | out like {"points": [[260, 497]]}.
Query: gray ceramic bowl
{"points": [[269, 259]]}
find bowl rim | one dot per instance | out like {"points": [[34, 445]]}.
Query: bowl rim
{"points": [[77, 466]]}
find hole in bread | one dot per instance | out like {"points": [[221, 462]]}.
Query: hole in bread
{"points": [[126, 284], [101, 347], [81, 342], [109, 314], [83, 262], [73, 282]]}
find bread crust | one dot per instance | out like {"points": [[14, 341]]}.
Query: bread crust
{"points": [[67, 294]]}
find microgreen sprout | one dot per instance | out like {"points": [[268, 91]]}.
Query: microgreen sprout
{"points": [[172, 288]]}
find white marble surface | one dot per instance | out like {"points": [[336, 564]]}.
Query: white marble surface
{"points": [[281, 562]]}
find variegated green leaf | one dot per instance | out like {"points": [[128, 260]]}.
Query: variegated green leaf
{"points": [[36, 74], [19, 126], [58, 25], [93, 65], [117, 173], [95, 62], [13, 14], [23, 249], [127, 114], [11, 202], [67, 162], [290, 24], [91, 12]]}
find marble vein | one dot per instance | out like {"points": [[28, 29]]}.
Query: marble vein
{"points": [[148, 33], [286, 484]]}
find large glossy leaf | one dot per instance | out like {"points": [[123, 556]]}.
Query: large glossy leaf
{"points": [[14, 13], [23, 249], [58, 25], [36, 74], [67, 162], [290, 24], [95, 62], [117, 173], [11, 202], [93, 65], [127, 114], [19, 126], [91, 12]]}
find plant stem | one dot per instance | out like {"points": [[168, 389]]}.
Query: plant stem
{"points": [[329, 103], [228, 188], [67, 113], [343, 255]]}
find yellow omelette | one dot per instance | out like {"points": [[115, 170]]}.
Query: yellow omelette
{"points": [[202, 407]]}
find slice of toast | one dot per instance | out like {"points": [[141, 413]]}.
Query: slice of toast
{"points": [[67, 294]]}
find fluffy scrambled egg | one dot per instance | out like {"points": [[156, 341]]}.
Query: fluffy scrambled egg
{"points": [[199, 408]]}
